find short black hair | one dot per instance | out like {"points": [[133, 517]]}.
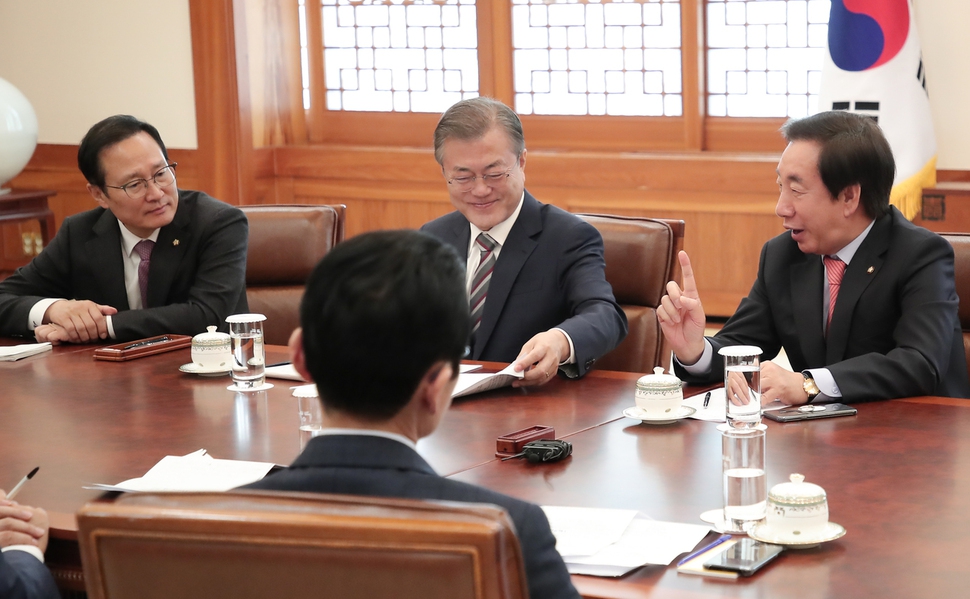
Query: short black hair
{"points": [[108, 132], [378, 311], [854, 150]]}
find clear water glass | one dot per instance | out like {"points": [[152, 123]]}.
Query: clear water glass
{"points": [[248, 354], [744, 479], [742, 385]]}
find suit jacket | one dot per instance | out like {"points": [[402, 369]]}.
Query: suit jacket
{"points": [[550, 273], [377, 466], [23, 576], [894, 332], [197, 275]]}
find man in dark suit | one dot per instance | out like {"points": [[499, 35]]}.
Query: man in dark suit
{"points": [[862, 301], [385, 322], [151, 259], [535, 273], [23, 540]]}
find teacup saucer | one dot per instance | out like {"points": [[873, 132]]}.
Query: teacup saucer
{"points": [[829, 532], [193, 368], [262, 387], [638, 413]]}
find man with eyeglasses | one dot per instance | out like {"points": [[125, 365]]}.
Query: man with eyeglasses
{"points": [[152, 259], [535, 274]]}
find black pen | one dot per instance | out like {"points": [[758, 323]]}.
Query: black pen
{"points": [[707, 399], [147, 342], [277, 364], [22, 482]]}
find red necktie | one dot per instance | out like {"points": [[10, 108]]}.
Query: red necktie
{"points": [[144, 249], [835, 269]]}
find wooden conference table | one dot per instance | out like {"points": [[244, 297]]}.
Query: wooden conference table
{"points": [[897, 475]]}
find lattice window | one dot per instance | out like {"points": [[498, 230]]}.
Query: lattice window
{"points": [[597, 57], [399, 55], [765, 56]]}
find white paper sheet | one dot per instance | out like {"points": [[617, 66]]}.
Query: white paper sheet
{"points": [[196, 471], [647, 541], [469, 383], [715, 410], [584, 531], [12, 353], [285, 371]]}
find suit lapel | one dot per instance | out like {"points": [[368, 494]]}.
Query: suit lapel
{"points": [[170, 248], [857, 277], [806, 291], [517, 248], [109, 268]]}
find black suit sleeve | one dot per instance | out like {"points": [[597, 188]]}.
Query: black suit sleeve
{"points": [[545, 569], [23, 576], [597, 323]]}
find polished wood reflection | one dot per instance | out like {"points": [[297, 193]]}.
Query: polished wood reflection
{"points": [[897, 474]]}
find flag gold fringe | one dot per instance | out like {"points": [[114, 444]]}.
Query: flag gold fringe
{"points": [[907, 195]]}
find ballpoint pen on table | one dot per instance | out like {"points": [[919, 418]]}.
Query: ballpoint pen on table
{"points": [[148, 342], [705, 548], [707, 399], [22, 482]]}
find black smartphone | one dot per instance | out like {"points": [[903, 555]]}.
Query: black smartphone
{"points": [[745, 557], [810, 412]]}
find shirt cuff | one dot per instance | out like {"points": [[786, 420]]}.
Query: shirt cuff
{"points": [[702, 365], [35, 317], [572, 348], [34, 551], [826, 384], [111, 328]]}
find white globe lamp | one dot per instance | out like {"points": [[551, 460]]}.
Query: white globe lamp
{"points": [[18, 132]]}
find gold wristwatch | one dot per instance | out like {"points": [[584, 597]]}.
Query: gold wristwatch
{"points": [[809, 386]]}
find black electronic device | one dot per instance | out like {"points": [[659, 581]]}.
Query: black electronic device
{"points": [[745, 557], [811, 412]]}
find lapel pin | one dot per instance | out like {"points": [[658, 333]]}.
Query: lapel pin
{"points": [[176, 242], [870, 271]]}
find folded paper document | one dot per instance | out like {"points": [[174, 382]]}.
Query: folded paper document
{"points": [[13, 353], [197, 471], [476, 382]]}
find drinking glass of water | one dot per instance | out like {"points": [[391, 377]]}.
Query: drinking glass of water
{"points": [[311, 413], [742, 385], [248, 355], [745, 483]]}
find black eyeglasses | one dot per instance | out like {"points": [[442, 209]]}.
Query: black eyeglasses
{"points": [[137, 189]]}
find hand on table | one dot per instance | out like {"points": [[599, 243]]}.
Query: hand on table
{"points": [[21, 524], [80, 321], [540, 358], [781, 384], [681, 316]]}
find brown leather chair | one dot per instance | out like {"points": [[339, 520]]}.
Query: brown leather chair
{"points": [[641, 256], [259, 544], [961, 273], [285, 243]]}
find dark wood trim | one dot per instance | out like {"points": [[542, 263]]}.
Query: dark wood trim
{"points": [[952, 176]]}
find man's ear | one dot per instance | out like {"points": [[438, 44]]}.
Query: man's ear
{"points": [[436, 387], [297, 355], [98, 194], [851, 199]]}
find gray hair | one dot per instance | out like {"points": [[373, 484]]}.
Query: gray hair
{"points": [[473, 118]]}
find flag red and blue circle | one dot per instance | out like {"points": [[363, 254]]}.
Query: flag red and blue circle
{"points": [[864, 34]]}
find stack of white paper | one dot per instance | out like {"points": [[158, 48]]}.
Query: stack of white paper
{"points": [[13, 353], [474, 382], [197, 471], [604, 542]]}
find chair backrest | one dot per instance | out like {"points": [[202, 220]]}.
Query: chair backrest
{"points": [[641, 257], [279, 544], [285, 243], [961, 273]]}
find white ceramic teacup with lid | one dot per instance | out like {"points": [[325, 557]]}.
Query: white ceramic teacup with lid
{"points": [[797, 509], [659, 394], [212, 350]]}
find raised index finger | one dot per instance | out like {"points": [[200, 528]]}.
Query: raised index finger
{"points": [[690, 286]]}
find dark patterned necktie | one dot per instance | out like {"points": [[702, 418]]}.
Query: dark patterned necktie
{"points": [[144, 249], [483, 275]]}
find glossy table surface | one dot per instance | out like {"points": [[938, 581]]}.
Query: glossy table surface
{"points": [[897, 474]]}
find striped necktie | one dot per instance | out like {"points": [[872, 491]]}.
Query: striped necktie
{"points": [[835, 269], [483, 275]]}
